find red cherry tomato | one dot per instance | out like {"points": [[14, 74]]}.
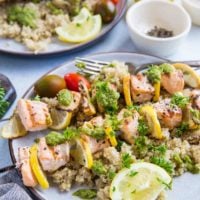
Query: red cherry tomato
{"points": [[72, 80], [115, 1]]}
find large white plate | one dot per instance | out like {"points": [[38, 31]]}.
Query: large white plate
{"points": [[186, 187], [12, 47]]}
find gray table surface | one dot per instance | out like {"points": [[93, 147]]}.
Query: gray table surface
{"points": [[23, 71]]}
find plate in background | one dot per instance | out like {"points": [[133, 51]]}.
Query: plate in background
{"points": [[12, 47]]}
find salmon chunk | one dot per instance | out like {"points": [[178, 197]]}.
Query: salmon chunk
{"points": [[33, 114], [28, 177], [128, 126], [169, 116], [173, 82], [52, 158], [141, 89]]}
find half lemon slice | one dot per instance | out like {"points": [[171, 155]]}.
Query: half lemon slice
{"points": [[81, 152], [190, 75], [60, 118], [150, 114], [84, 27], [13, 128], [142, 181]]}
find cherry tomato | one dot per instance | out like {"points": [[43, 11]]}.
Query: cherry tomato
{"points": [[115, 1], [72, 80]]}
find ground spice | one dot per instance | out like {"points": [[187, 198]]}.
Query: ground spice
{"points": [[160, 32]]}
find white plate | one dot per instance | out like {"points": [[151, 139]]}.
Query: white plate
{"points": [[186, 187], [12, 47]]}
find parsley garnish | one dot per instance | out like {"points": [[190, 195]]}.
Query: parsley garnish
{"points": [[179, 131], [179, 100], [126, 160], [86, 193], [142, 128], [160, 161], [167, 185], [98, 168], [70, 133], [133, 173], [111, 174]]}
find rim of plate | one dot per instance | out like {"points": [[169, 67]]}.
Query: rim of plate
{"points": [[32, 190], [121, 11]]}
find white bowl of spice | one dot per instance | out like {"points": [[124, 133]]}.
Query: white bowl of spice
{"points": [[158, 27]]}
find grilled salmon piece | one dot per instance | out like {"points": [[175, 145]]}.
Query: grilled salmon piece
{"points": [[141, 89], [28, 177], [169, 116], [173, 82], [33, 114], [52, 158], [128, 126]]}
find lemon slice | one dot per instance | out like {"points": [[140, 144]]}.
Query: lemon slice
{"points": [[82, 16], [157, 91], [153, 122], [142, 181], [127, 90], [190, 76], [81, 153], [111, 136], [13, 128], [60, 119], [80, 30]]}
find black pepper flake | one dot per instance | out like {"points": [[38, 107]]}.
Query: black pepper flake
{"points": [[160, 32]]}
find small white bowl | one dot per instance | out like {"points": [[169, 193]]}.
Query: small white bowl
{"points": [[193, 8], [144, 15]]}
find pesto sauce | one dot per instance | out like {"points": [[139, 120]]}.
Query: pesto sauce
{"points": [[107, 97], [22, 15], [65, 97], [54, 138]]}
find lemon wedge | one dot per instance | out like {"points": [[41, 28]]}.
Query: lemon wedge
{"points": [[150, 114], [142, 181], [84, 27], [81, 153], [111, 136], [13, 128], [127, 90], [60, 119], [37, 170], [157, 91], [191, 77]]}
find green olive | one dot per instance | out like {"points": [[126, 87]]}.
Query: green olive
{"points": [[106, 9], [49, 86]]}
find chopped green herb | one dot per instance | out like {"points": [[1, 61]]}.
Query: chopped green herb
{"points": [[54, 138], [113, 189], [190, 165], [119, 145], [141, 144], [183, 128], [36, 98], [126, 160], [160, 161], [167, 185], [179, 100], [161, 149], [86, 193], [80, 65], [98, 168], [98, 133], [111, 174], [37, 140], [3, 103], [133, 173], [142, 128], [133, 107], [70, 133], [112, 121], [53, 9], [134, 191], [177, 159]]}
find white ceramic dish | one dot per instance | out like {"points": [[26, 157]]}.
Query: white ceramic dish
{"points": [[144, 15], [184, 188], [193, 8]]}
